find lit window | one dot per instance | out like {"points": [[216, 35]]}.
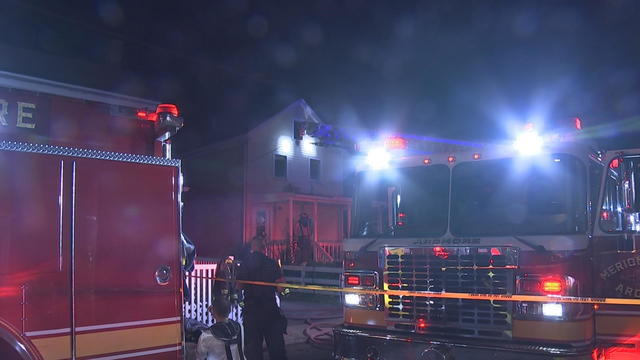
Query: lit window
{"points": [[314, 169], [280, 166]]}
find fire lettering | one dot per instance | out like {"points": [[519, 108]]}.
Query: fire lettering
{"points": [[620, 266], [4, 105], [627, 291], [22, 114]]}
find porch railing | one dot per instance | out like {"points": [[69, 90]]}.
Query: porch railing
{"points": [[324, 251]]}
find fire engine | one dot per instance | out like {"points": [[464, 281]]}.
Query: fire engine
{"points": [[90, 245], [545, 214]]}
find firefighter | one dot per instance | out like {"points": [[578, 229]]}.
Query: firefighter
{"points": [[304, 241], [261, 315]]}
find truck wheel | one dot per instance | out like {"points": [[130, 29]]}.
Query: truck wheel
{"points": [[8, 352]]}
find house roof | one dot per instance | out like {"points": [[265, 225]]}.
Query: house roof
{"points": [[298, 110]]}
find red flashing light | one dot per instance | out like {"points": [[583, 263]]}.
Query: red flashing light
{"points": [[402, 217], [615, 163], [152, 117], [421, 323], [451, 159], [353, 280], [170, 108], [396, 143], [349, 264], [141, 114], [605, 215], [440, 252], [578, 123], [426, 161], [495, 252], [552, 286], [476, 156]]}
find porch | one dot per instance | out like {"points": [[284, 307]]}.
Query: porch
{"points": [[288, 221]]}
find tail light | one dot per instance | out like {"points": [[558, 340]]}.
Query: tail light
{"points": [[362, 280], [352, 280], [547, 285], [552, 286]]}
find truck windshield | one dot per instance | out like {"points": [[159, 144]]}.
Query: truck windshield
{"points": [[419, 199], [511, 197]]}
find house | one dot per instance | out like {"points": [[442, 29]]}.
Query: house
{"points": [[266, 182]]}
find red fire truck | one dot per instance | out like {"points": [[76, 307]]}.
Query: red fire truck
{"points": [[545, 214], [90, 246]]}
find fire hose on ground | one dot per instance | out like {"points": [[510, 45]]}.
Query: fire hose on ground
{"points": [[319, 330]]}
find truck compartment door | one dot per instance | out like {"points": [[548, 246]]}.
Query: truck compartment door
{"points": [[127, 278], [34, 250]]}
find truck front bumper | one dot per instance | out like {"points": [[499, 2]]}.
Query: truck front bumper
{"points": [[370, 344]]}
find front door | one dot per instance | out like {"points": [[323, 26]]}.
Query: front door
{"points": [[616, 244]]}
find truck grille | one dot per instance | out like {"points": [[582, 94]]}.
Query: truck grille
{"points": [[451, 269]]}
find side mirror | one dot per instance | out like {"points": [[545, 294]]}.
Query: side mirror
{"points": [[630, 185]]}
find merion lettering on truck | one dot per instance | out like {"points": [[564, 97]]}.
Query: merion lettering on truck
{"points": [[453, 241], [620, 266]]}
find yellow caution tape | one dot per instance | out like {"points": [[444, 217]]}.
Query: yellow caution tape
{"points": [[446, 295]]}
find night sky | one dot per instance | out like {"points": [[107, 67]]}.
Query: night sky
{"points": [[454, 69]]}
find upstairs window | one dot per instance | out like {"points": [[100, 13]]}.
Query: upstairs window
{"points": [[280, 166], [314, 169]]}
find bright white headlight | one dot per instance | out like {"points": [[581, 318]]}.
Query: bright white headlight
{"points": [[528, 143], [378, 159], [552, 310], [352, 299]]}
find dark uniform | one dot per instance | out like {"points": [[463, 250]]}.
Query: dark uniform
{"points": [[261, 315]]}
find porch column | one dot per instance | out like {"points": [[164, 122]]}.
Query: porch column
{"points": [[348, 220], [315, 228], [290, 221]]}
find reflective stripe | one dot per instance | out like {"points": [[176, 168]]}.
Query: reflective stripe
{"points": [[104, 326], [139, 353], [126, 324]]}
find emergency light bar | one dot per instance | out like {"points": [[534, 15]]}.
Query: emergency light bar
{"points": [[166, 120], [143, 114], [380, 153], [396, 143], [529, 142]]}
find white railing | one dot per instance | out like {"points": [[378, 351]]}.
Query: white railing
{"points": [[200, 283], [201, 280], [328, 252]]}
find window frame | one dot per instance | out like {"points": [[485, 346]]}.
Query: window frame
{"points": [[584, 213], [277, 157], [319, 169]]}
